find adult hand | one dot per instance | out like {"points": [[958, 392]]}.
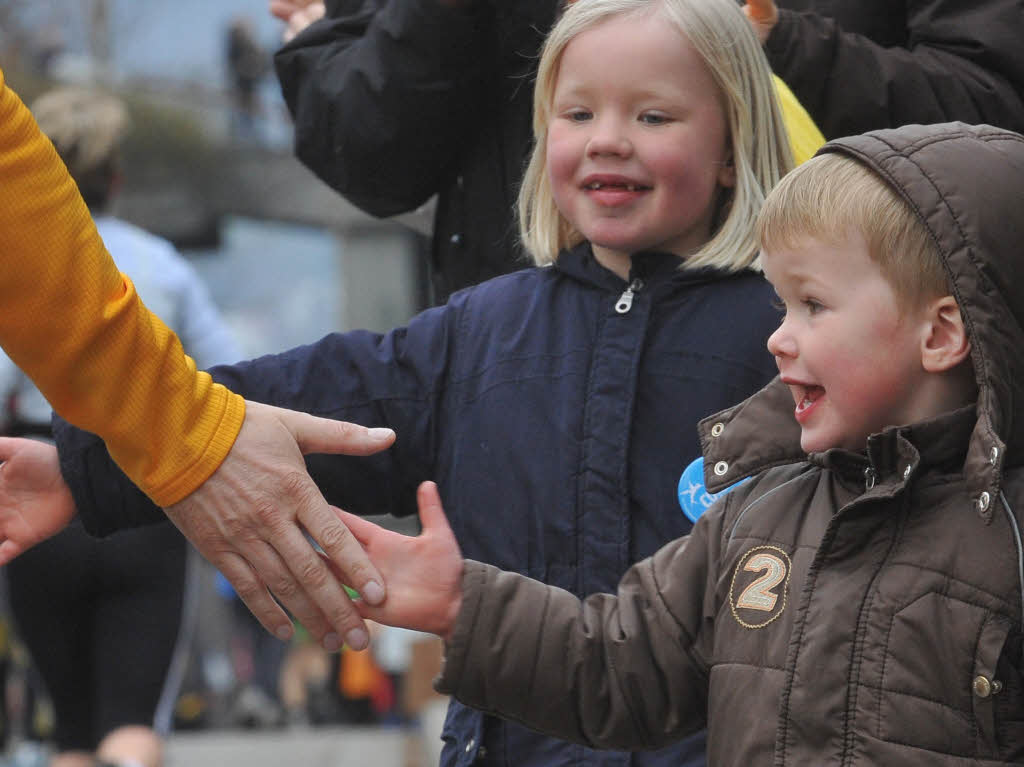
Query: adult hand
{"points": [[296, 14], [424, 573], [34, 501], [763, 15], [250, 519]]}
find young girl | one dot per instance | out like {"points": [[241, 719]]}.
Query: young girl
{"points": [[571, 392]]}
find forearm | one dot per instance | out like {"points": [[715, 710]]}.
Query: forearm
{"points": [[608, 672], [950, 71], [381, 99], [75, 325]]}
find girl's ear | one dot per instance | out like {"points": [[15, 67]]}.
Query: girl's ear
{"points": [[944, 344], [727, 172]]}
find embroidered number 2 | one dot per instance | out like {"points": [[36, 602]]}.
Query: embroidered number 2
{"points": [[759, 595]]}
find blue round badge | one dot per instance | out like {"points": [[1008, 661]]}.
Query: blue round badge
{"points": [[694, 498]]}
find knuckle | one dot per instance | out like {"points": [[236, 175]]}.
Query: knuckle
{"points": [[313, 573], [285, 588], [334, 537]]}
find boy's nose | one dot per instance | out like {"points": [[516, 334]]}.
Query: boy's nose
{"points": [[781, 343]]}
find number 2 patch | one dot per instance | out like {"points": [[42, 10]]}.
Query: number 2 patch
{"points": [[760, 586]]}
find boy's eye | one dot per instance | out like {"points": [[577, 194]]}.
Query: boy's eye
{"points": [[813, 307], [779, 305]]}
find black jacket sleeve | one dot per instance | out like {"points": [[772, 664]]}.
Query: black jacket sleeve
{"points": [[395, 380], [958, 62], [382, 95]]}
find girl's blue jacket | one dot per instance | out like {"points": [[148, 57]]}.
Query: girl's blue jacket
{"points": [[555, 409]]}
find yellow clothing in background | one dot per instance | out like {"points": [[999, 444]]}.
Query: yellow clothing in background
{"points": [[76, 326], [804, 137]]}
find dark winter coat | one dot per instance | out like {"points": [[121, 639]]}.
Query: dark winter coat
{"points": [[860, 65], [556, 426], [396, 101], [842, 609]]}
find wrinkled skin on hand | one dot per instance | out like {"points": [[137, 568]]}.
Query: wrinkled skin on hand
{"points": [[251, 518]]}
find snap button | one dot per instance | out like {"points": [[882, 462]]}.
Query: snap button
{"points": [[983, 501], [717, 429], [456, 238], [997, 686], [721, 468], [993, 456], [982, 686], [472, 741], [906, 473]]}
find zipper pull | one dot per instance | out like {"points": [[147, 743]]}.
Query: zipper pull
{"points": [[870, 477], [625, 302]]}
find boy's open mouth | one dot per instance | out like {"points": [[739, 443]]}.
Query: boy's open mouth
{"points": [[811, 394]]}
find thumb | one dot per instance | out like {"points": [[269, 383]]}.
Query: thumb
{"points": [[431, 512], [325, 435]]}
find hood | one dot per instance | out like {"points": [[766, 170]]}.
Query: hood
{"points": [[966, 184]]}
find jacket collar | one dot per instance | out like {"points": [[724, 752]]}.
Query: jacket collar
{"points": [[761, 433], [653, 267]]}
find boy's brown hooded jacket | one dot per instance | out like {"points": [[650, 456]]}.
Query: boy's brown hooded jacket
{"points": [[841, 609]]}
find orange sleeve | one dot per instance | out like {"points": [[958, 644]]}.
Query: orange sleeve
{"points": [[76, 326]]}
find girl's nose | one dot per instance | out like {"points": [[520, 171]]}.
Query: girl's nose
{"points": [[609, 138]]}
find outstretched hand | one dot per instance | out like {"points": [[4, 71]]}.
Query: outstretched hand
{"points": [[34, 501], [763, 15], [423, 573], [250, 519]]}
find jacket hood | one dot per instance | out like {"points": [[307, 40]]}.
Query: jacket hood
{"points": [[966, 184]]}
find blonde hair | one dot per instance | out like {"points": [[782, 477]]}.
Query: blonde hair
{"points": [[831, 197], [760, 149]]}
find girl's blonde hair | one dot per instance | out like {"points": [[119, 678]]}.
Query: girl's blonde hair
{"points": [[723, 38]]}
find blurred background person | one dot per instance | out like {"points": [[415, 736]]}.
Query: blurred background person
{"points": [[247, 66], [102, 618]]}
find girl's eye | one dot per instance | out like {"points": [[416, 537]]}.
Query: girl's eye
{"points": [[654, 118], [578, 115]]}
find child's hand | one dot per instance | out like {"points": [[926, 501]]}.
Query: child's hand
{"points": [[763, 15], [423, 574], [34, 501]]}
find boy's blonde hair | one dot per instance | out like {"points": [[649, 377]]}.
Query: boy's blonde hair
{"points": [[760, 150], [831, 197]]}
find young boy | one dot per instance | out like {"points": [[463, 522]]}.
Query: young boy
{"points": [[858, 602]]}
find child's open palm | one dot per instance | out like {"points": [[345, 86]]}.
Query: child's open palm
{"points": [[34, 501], [423, 574]]}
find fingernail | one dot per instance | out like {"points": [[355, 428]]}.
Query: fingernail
{"points": [[284, 632], [332, 642], [372, 593], [380, 433], [357, 639]]}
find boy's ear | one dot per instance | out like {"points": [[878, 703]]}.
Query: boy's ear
{"points": [[944, 344]]}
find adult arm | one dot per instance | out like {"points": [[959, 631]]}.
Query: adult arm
{"points": [[75, 325], [382, 94], [958, 63]]}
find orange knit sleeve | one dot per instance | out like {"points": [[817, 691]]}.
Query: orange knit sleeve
{"points": [[76, 326]]}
